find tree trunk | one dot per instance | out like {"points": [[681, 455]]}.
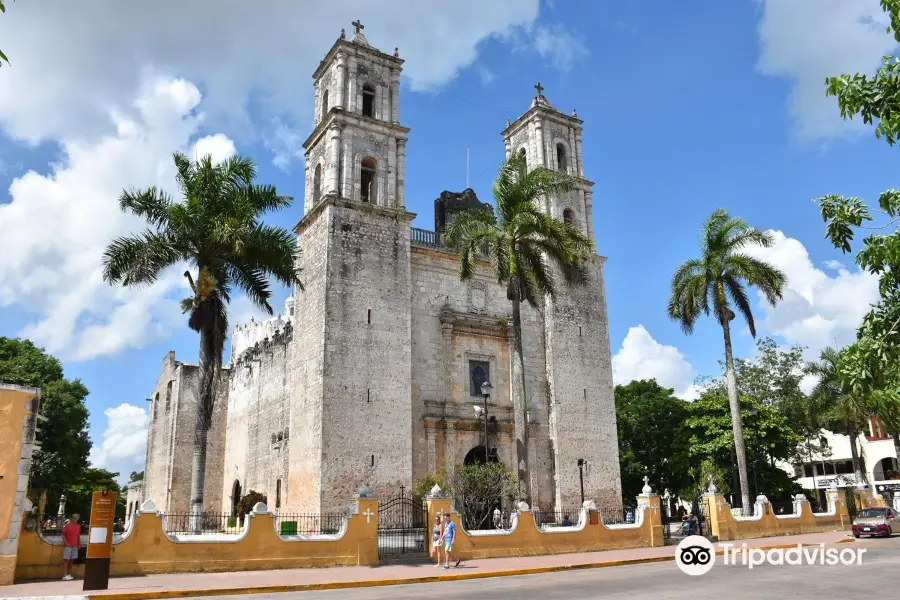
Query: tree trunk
{"points": [[854, 454], [737, 424], [201, 429], [896, 437], [520, 405]]}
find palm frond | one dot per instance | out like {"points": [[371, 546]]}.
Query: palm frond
{"points": [[739, 297], [139, 260]]}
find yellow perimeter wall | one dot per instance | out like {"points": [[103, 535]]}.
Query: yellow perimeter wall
{"points": [[527, 539], [18, 419], [147, 549], [724, 526]]}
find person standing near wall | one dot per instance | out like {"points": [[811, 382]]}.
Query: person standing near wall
{"points": [[436, 536], [71, 536]]}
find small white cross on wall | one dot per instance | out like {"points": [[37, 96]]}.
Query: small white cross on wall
{"points": [[368, 514], [654, 507], [441, 514], [720, 505]]}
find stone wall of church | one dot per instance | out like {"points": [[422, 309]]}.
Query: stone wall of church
{"points": [[583, 406], [256, 448], [365, 410], [441, 360], [170, 438]]}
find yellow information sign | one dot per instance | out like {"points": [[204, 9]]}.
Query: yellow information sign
{"points": [[100, 537]]}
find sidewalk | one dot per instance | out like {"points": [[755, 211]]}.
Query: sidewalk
{"points": [[243, 582]]}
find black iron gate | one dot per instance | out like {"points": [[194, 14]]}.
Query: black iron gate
{"points": [[401, 525]]}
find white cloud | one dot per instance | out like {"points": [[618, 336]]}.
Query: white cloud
{"points": [[241, 59], [806, 41], [123, 446], [57, 225], [218, 147], [808, 382], [818, 310], [559, 45], [642, 357]]}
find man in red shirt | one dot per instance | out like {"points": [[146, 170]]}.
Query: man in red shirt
{"points": [[71, 542]]}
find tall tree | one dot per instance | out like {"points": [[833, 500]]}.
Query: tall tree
{"points": [[524, 246], [216, 228], [648, 419], [712, 284], [843, 410], [63, 441], [870, 367]]}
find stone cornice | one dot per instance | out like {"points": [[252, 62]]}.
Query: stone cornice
{"points": [[332, 200], [480, 324], [349, 47], [550, 113], [340, 117]]}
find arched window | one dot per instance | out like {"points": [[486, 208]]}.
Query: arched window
{"points": [[368, 101], [169, 395], [317, 184], [235, 496], [561, 163], [368, 181], [569, 217], [523, 156], [278, 493], [324, 103], [156, 405]]}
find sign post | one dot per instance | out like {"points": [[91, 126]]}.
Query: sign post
{"points": [[100, 536]]}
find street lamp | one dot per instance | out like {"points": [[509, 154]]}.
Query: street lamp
{"points": [[581, 478], [486, 389]]}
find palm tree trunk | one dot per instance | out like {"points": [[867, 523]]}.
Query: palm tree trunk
{"points": [[737, 424], [854, 453], [201, 429], [517, 385]]}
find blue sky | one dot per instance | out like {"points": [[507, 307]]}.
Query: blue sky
{"points": [[687, 108]]}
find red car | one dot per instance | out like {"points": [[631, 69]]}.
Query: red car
{"points": [[875, 521]]}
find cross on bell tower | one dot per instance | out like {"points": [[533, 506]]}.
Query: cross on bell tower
{"points": [[358, 25], [539, 88]]}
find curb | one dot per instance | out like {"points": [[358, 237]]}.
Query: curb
{"points": [[338, 585]]}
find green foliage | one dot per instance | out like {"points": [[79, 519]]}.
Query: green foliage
{"points": [[64, 444], [707, 442], [3, 56], [90, 480], [423, 486], [248, 501], [521, 239], [648, 418], [478, 488], [136, 476]]}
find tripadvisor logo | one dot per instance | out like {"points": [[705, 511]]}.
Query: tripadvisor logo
{"points": [[695, 555]]}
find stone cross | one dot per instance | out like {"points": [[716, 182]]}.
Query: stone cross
{"points": [[539, 88], [368, 514], [359, 26]]}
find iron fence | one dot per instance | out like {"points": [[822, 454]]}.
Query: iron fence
{"points": [[204, 523], [567, 517], [309, 524]]}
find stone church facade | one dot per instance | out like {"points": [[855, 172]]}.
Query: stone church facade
{"points": [[371, 374]]}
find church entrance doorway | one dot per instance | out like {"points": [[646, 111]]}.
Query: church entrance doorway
{"points": [[401, 525]]}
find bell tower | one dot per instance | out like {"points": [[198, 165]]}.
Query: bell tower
{"points": [[578, 359], [357, 148], [350, 380]]}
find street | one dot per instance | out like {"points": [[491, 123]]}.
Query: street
{"points": [[877, 576]]}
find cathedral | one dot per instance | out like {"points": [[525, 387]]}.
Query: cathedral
{"points": [[372, 374]]}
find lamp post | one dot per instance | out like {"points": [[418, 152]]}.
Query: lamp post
{"points": [[486, 389], [581, 478]]}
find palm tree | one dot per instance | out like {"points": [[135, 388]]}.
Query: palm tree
{"points": [[834, 401], [525, 246], [713, 284], [216, 229]]}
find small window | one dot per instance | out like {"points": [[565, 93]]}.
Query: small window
{"points": [[169, 395], [368, 101], [523, 156], [479, 372], [561, 163], [317, 184], [367, 180], [278, 493], [569, 217], [156, 405], [324, 103]]}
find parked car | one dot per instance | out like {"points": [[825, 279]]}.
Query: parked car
{"points": [[875, 521]]}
